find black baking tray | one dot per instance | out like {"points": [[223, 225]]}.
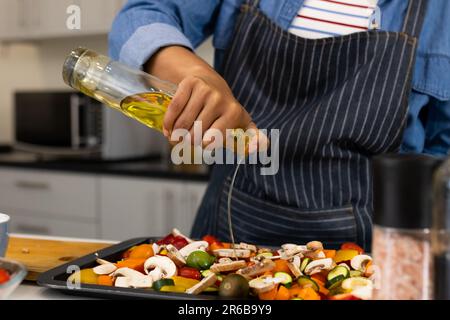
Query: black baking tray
{"points": [[56, 278]]}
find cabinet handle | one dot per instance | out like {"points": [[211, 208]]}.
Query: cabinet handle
{"points": [[25, 228], [32, 185]]}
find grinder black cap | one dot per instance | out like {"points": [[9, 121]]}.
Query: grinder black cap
{"points": [[403, 190]]}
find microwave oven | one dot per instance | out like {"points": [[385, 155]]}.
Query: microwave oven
{"points": [[66, 123]]}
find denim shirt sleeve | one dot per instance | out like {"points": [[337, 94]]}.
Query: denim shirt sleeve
{"points": [[144, 26]]}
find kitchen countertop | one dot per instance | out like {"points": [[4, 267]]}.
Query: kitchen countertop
{"points": [[143, 168], [31, 291]]}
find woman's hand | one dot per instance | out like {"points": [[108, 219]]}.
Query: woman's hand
{"points": [[202, 95], [200, 99]]}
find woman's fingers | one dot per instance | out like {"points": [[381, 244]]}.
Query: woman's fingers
{"points": [[177, 105]]}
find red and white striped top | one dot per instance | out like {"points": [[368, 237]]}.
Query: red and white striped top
{"points": [[329, 18]]}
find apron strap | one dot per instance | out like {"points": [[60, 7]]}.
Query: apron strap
{"points": [[253, 3], [415, 17]]}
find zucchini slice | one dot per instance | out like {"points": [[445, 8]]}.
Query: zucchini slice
{"points": [[335, 282], [355, 274], [304, 263], [338, 271], [305, 282], [157, 285], [286, 279]]}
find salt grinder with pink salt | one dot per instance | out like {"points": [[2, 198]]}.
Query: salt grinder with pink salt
{"points": [[401, 245]]}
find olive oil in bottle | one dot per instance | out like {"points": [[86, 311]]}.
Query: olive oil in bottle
{"points": [[147, 108], [133, 92]]}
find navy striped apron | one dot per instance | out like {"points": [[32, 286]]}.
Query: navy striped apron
{"points": [[337, 102]]}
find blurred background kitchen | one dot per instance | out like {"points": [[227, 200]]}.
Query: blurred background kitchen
{"points": [[68, 166]]}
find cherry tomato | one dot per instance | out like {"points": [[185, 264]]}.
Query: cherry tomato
{"points": [[211, 239], [352, 246], [4, 276], [166, 240], [191, 273], [179, 242]]}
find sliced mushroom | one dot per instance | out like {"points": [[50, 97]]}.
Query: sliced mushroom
{"points": [[193, 246], [122, 282], [228, 266], [156, 274], [160, 267], [257, 269], [175, 255], [314, 245], [203, 285], [318, 265], [246, 246], [129, 278], [320, 255], [156, 248], [104, 269], [233, 253], [290, 246], [225, 260], [141, 282], [262, 284], [126, 272], [294, 265], [177, 233], [359, 262]]}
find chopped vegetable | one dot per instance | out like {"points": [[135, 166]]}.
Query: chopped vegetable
{"points": [[105, 281], [157, 285], [352, 246], [189, 272], [174, 289], [85, 276], [355, 273], [335, 282], [304, 293], [284, 277], [345, 255], [281, 266], [306, 282], [135, 264], [329, 253], [4, 276], [144, 251], [200, 260], [211, 239], [338, 271], [269, 295], [283, 294], [184, 282], [304, 264], [234, 286]]}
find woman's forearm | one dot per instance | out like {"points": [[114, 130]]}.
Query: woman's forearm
{"points": [[175, 63]]}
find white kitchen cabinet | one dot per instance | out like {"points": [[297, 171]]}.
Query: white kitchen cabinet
{"points": [[143, 207], [48, 194], [29, 224], [95, 206], [42, 19]]}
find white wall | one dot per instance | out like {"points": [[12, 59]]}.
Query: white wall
{"points": [[37, 65]]}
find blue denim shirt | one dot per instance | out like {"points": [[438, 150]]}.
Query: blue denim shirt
{"points": [[144, 26]]}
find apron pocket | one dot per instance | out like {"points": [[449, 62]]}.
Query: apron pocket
{"points": [[265, 222]]}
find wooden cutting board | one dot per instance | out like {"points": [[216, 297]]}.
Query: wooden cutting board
{"points": [[40, 255]]}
